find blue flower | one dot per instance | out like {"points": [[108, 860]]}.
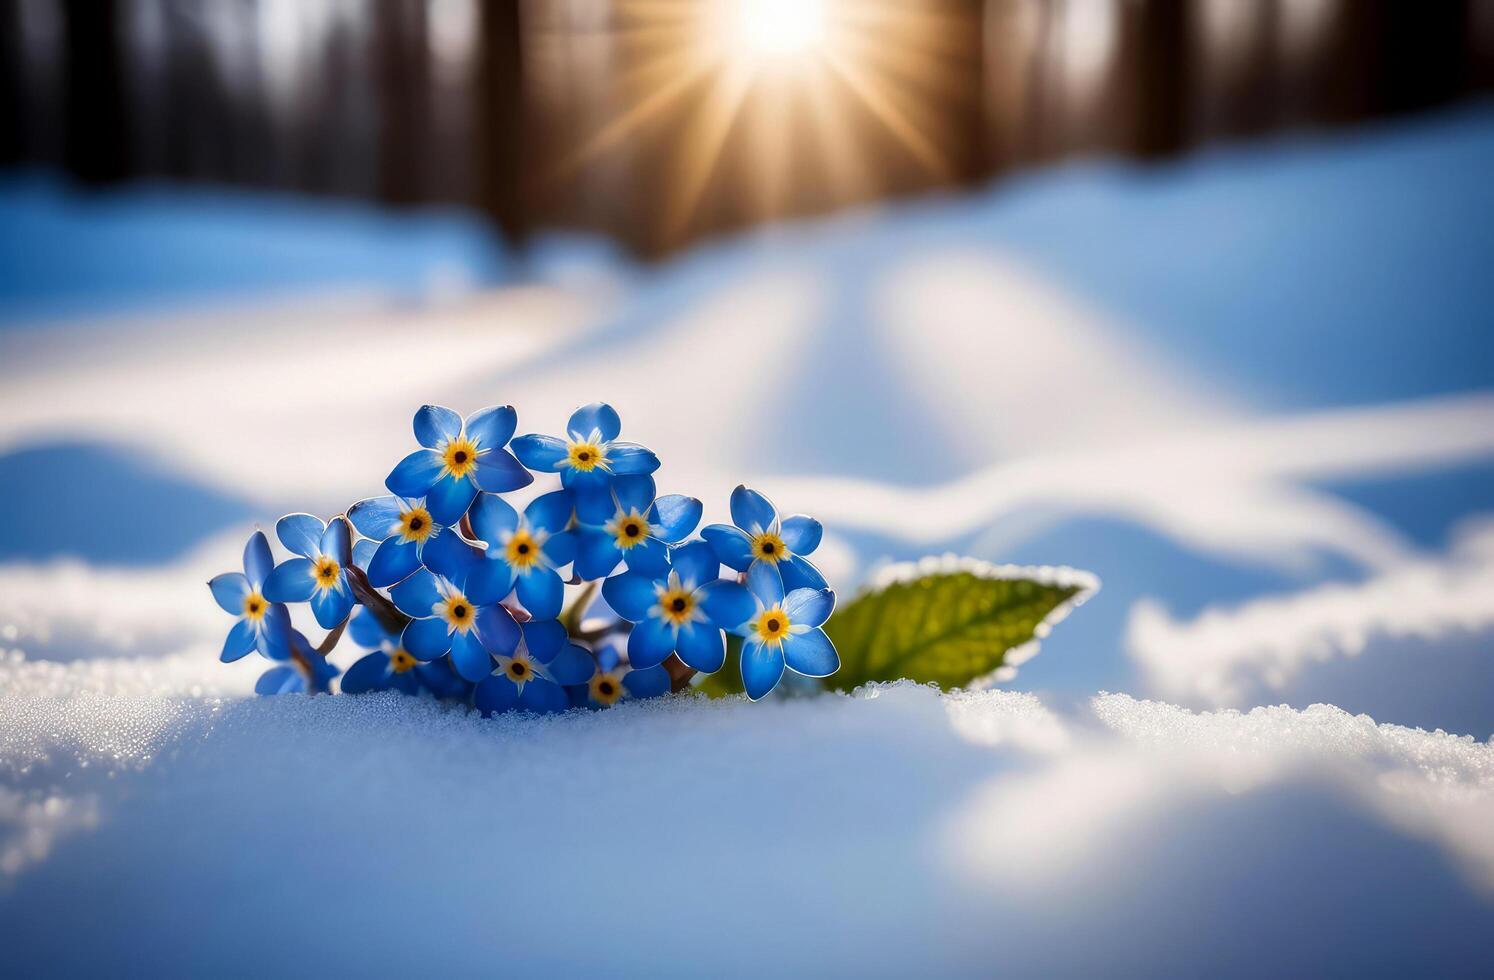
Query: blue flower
{"points": [[590, 454], [783, 631], [320, 574], [682, 611], [263, 624], [625, 522], [527, 682], [614, 681], [454, 609], [524, 552], [390, 667], [315, 677], [402, 528], [459, 458], [760, 538]]}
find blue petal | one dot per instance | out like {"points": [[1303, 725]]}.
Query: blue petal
{"points": [[809, 606], [273, 638], [597, 554], [649, 643], [648, 682], [751, 511], [799, 573], [291, 581], [367, 631], [634, 493], [496, 694], [331, 606], [728, 604], [702, 646], [492, 518], [436, 425], [413, 476], [649, 556], [470, 658], [492, 428], [731, 545], [376, 517], [449, 497], [426, 639], [301, 534], [499, 472], [627, 458], [541, 592], [441, 680], [597, 417], [765, 584], [448, 555], [560, 549], [696, 562], [489, 581], [630, 595], [608, 657], [257, 559], [337, 541], [497, 630], [594, 504], [572, 665], [279, 680], [229, 590], [543, 697], [762, 667], [240, 642], [371, 673], [544, 638], [674, 516], [417, 595], [407, 683], [393, 562], [551, 511], [543, 454], [590, 481], [363, 551], [811, 654], [802, 534]]}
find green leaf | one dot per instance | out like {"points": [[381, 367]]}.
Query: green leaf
{"points": [[955, 622]]}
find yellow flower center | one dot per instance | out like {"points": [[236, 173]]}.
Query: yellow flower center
{"points": [[255, 607], [401, 662], [606, 688], [523, 551], [769, 547], [460, 457], [326, 572], [458, 612], [772, 626], [629, 529], [415, 525], [518, 671], [676, 606], [586, 456]]}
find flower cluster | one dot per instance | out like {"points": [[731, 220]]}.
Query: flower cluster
{"points": [[456, 593]]}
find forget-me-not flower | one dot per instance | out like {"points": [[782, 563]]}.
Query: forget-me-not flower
{"points": [[459, 458], [524, 682], [626, 522], [263, 624], [402, 529], [614, 681], [682, 611], [453, 610], [320, 573], [390, 667], [524, 552], [293, 679], [759, 537], [783, 630], [590, 454]]}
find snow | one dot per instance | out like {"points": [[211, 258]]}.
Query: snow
{"points": [[1066, 372]]}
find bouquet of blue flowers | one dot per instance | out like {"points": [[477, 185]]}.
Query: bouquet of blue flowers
{"points": [[456, 593]]}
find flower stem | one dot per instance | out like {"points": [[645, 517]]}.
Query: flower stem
{"points": [[679, 673], [571, 616], [389, 617]]}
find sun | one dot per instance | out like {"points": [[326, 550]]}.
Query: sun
{"points": [[775, 28]]}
